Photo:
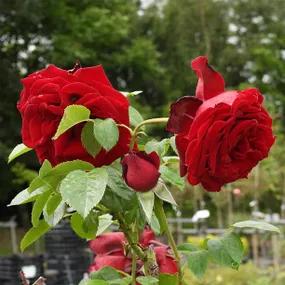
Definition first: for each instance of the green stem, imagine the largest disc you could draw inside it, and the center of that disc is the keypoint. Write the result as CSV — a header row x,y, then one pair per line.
x,y
146,122
164,225
134,268
125,228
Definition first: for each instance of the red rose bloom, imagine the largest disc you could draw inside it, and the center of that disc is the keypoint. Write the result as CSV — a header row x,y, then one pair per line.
x,y
42,102
141,170
109,250
220,135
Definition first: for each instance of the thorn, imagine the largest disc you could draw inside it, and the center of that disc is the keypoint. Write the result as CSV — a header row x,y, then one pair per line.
x,y
76,66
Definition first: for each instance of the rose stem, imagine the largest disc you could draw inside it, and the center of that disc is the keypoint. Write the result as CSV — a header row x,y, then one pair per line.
x,y
134,267
146,122
164,225
125,228
134,257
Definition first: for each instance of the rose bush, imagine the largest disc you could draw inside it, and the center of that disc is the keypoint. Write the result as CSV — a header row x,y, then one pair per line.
x,y
220,135
42,102
111,176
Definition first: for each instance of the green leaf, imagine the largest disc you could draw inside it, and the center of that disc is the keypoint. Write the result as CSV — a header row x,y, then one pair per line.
x,y
39,206
173,145
147,202
106,133
198,262
132,93
54,218
263,226
45,168
154,224
147,280
89,141
234,246
17,151
161,147
172,177
226,251
54,176
121,281
171,159
106,273
118,185
135,116
168,279
157,210
53,202
91,222
83,191
34,234
163,193
25,196
105,221
218,253
73,115
93,282
81,228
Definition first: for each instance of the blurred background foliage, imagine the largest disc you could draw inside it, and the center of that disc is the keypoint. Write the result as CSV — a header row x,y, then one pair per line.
x,y
149,47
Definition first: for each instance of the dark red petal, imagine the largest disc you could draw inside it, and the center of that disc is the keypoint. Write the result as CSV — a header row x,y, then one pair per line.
x,y
225,98
108,243
146,236
119,262
165,261
181,145
93,73
182,113
212,184
151,157
52,71
210,82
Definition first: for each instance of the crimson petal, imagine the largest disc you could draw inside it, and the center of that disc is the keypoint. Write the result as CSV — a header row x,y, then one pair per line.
x,y
182,113
210,82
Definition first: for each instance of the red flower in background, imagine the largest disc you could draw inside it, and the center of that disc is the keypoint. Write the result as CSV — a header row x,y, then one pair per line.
x,y
109,251
42,102
220,135
141,170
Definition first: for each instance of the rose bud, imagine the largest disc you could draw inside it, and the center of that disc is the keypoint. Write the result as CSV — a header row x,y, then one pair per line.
x,y
141,170
48,92
220,135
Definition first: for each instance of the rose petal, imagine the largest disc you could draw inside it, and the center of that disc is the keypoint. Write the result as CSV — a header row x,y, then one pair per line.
x,y
108,243
165,261
210,82
118,262
182,113
93,73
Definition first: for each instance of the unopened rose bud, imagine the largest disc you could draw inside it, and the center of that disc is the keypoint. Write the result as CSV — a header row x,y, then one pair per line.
x,y
140,170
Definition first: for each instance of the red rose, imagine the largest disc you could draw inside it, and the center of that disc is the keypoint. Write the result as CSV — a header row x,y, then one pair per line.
x,y
109,250
141,170
42,102
220,135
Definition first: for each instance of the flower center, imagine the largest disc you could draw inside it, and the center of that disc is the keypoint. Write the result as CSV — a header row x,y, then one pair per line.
x,y
74,97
